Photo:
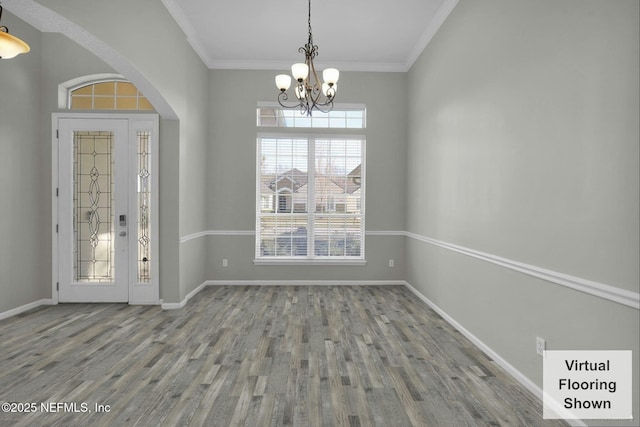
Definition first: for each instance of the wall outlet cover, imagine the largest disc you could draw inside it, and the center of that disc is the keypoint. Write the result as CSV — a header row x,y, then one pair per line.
x,y
541,346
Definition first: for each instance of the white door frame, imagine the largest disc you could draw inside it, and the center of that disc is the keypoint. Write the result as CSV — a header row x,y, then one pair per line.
x,y
139,293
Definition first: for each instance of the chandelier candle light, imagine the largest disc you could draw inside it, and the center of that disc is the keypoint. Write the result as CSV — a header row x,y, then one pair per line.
x,y
10,46
309,91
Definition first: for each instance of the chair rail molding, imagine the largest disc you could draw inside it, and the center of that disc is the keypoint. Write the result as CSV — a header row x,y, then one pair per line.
x,y
611,293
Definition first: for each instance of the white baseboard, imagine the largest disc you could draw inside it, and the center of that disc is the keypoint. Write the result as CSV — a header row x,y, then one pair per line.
x,y
26,307
177,305
511,370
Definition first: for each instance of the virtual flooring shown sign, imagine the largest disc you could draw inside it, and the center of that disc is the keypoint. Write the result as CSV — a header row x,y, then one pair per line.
x,y
589,384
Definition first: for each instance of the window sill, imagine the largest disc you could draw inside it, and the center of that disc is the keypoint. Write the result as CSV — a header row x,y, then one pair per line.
x,y
310,262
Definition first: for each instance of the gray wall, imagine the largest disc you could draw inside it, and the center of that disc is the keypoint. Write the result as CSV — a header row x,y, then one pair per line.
x,y
180,79
232,174
30,82
24,200
523,143
193,176
178,84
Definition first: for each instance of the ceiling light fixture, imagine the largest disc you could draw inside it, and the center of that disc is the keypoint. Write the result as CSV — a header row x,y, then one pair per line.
x,y
309,90
10,46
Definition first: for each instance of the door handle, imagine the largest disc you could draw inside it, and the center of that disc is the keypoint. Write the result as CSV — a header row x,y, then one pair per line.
x,y
123,233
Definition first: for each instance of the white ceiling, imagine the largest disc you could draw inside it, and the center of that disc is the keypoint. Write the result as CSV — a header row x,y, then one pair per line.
x,y
352,35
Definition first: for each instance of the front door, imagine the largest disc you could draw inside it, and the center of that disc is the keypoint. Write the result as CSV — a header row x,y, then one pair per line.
x,y
105,212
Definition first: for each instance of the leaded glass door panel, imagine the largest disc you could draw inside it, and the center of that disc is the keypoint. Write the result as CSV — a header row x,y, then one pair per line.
x,y
106,207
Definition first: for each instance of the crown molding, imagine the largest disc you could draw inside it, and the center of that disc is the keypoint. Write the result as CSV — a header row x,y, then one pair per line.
x,y
432,28
192,36
236,64
47,21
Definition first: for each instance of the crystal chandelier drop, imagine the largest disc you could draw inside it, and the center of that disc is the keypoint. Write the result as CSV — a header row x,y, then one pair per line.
x,y
309,91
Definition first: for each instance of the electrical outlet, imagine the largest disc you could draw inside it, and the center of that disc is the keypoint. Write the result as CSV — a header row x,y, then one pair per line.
x,y
541,346
225,262
392,263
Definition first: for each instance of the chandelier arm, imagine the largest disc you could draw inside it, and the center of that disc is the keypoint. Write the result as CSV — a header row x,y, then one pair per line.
x,y
283,97
326,103
305,109
322,109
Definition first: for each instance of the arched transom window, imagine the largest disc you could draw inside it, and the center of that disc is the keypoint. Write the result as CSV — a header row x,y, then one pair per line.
x,y
108,95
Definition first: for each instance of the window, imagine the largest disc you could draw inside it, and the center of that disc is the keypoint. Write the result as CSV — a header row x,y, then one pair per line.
x,y
108,95
310,196
340,118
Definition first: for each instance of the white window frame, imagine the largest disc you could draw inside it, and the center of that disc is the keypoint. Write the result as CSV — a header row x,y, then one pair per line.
x,y
312,133
310,258
337,107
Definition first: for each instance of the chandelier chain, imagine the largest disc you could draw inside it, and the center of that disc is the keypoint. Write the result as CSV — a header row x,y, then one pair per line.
x,y
4,29
310,33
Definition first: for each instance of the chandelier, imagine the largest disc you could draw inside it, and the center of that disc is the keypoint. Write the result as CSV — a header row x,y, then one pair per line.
x,y
10,46
309,91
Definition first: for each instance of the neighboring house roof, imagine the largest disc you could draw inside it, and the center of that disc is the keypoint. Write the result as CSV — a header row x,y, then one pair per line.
x,y
294,179
328,185
354,180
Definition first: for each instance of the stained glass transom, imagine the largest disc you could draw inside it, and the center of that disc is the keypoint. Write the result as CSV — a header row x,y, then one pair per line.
x,y
108,95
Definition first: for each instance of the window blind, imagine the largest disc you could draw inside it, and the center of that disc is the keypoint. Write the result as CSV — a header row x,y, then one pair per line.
x,y
310,197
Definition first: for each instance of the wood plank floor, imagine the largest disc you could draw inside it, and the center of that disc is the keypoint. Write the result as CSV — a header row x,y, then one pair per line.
x,y
257,356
